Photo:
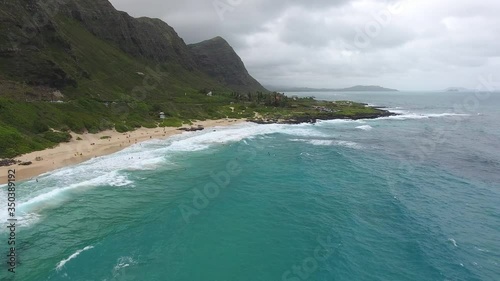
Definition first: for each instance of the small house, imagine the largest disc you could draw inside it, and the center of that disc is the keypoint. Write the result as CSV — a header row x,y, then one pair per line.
x,y
162,115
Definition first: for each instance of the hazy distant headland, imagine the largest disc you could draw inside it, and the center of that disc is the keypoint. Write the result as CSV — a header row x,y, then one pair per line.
x,y
358,88
456,89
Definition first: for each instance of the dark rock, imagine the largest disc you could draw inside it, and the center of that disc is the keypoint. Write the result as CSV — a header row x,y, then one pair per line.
x,y
7,162
192,129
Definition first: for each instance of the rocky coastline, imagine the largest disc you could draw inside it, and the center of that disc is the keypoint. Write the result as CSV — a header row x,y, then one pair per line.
x,y
315,118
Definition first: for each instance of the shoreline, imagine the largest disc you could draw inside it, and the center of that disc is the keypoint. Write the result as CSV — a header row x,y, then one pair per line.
x,y
94,145
315,119
110,141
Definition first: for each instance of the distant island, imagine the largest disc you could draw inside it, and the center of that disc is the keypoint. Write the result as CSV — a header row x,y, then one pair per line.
x,y
367,89
456,89
358,88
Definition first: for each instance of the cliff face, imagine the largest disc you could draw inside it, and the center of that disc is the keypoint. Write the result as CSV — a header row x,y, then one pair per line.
x,y
59,43
217,58
147,38
25,31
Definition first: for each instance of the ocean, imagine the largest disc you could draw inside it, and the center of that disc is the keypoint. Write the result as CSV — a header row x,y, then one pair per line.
x,y
408,197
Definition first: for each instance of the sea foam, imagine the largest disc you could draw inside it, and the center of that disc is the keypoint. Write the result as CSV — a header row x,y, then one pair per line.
x,y
365,128
74,255
405,115
326,142
57,187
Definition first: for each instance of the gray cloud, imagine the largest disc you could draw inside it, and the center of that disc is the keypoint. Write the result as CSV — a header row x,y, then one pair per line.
x,y
423,44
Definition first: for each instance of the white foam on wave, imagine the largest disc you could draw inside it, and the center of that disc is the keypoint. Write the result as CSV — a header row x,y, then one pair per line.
x,y
320,142
365,127
3,202
335,121
55,188
123,262
404,115
481,250
339,121
398,110
453,241
24,219
74,255
223,135
28,210
325,142
349,144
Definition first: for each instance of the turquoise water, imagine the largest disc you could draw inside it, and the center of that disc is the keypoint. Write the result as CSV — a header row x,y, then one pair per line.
x,y
413,197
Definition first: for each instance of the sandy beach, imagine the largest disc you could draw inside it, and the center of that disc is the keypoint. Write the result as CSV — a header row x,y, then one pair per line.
x,y
93,145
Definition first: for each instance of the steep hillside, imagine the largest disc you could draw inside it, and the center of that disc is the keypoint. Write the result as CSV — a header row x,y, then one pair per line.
x,y
217,58
104,67
64,44
147,38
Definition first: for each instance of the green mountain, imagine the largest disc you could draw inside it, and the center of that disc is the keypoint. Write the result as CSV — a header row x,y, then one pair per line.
x,y
67,45
216,58
106,69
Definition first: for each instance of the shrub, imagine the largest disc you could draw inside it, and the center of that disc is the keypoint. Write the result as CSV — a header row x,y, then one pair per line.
x,y
171,122
121,128
40,127
150,125
57,137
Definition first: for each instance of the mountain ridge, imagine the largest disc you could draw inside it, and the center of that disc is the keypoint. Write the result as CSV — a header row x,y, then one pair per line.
x,y
213,53
49,55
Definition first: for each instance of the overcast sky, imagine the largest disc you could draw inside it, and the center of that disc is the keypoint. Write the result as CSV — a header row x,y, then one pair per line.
x,y
408,45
